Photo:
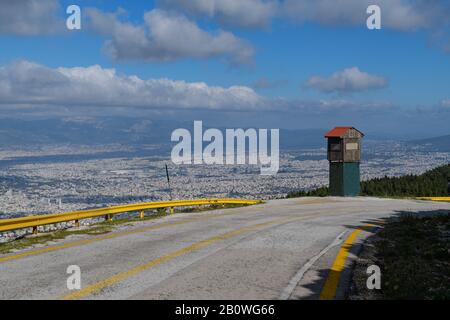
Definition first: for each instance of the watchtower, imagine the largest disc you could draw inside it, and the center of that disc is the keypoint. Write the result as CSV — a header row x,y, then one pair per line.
x,y
344,155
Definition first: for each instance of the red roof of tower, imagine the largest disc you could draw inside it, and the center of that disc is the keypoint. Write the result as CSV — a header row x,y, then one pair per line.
x,y
338,132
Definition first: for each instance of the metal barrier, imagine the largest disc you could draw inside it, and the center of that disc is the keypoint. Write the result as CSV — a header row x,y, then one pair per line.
x,y
108,212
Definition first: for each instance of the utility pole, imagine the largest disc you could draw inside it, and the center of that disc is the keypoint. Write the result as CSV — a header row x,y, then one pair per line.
x,y
168,183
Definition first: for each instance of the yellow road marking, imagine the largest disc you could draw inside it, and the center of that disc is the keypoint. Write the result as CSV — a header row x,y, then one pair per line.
x,y
125,233
96,287
110,236
332,282
435,198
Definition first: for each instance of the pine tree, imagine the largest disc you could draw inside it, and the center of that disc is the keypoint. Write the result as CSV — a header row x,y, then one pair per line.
x,y
433,183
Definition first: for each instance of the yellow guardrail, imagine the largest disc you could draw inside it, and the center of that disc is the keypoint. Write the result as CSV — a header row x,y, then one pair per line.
x,y
434,198
108,212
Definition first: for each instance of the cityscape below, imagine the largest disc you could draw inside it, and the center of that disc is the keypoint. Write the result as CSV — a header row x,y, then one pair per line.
x,y
61,178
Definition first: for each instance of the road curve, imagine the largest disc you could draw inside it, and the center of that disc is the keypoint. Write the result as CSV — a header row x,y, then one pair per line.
x,y
282,249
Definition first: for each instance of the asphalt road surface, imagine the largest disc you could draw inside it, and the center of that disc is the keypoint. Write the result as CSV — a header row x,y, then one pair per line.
x,y
283,249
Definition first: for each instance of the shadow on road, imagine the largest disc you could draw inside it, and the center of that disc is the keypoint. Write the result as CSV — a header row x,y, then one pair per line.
x,y
354,286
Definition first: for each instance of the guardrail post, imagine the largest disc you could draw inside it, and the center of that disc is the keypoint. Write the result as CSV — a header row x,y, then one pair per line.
x,y
77,223
35,230
142,214
172,210
108,217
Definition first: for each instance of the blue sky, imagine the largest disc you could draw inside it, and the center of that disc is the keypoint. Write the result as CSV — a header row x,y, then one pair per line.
x,y
288,64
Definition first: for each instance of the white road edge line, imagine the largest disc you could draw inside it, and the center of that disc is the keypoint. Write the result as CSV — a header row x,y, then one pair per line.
x,y
287,292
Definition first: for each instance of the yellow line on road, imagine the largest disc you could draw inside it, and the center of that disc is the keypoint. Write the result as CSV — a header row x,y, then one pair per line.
x,y
110,236
96,287
447,199
125,233
332,282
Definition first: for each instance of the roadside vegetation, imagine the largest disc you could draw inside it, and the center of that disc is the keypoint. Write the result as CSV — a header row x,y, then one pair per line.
x,y
413,252
433,183
28,241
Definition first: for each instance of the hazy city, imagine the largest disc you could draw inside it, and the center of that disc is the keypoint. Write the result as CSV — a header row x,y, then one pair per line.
x,y
51,181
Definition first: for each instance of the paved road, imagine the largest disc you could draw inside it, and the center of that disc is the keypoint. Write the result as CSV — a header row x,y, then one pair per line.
x,y
280,249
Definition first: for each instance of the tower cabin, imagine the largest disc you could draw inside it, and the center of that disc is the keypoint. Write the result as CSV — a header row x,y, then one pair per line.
x,y
344,144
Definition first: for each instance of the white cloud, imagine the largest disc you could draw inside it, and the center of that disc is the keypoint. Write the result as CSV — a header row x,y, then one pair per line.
x,y
332,106
30,17
347,80
354,106
28,83
234,13
402,15
29,86
166,37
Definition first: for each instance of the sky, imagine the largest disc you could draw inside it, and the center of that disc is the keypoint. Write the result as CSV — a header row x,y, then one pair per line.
x,y
294,64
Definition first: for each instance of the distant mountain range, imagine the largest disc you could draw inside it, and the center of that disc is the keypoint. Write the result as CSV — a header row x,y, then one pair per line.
x,y
16,132
441,143
135,131
91,132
